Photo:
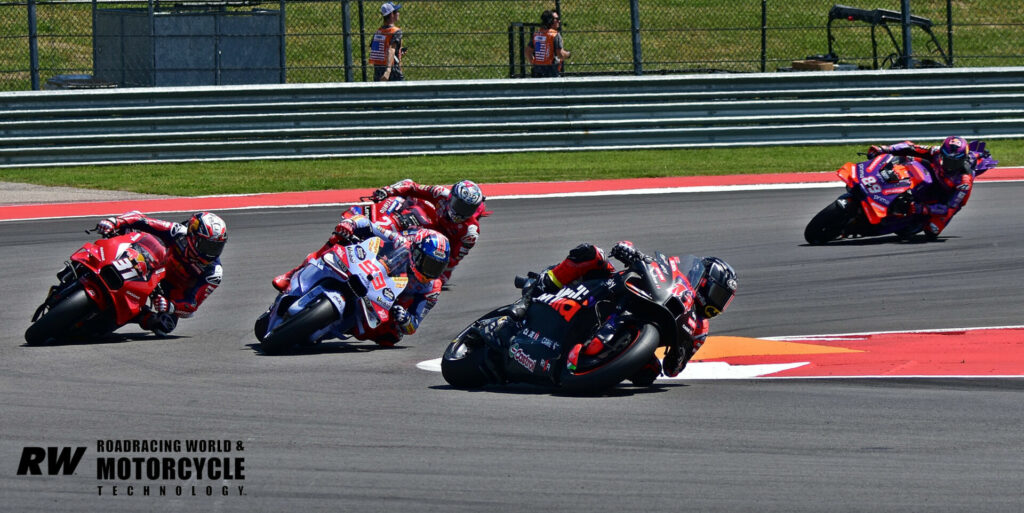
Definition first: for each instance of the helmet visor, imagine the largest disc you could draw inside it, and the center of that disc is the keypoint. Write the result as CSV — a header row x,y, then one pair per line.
x,y
460,210
427,266
718,299
209,249
953,164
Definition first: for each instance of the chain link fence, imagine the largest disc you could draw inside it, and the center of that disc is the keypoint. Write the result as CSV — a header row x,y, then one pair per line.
x,y
326,40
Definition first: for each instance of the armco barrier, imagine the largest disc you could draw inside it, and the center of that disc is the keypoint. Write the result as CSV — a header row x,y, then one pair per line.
x,y
110,126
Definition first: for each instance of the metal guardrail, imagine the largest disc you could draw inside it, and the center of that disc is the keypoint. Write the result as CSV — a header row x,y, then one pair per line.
x,y
118,126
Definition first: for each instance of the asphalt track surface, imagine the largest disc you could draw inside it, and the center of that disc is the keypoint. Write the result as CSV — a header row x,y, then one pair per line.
x,y
354,428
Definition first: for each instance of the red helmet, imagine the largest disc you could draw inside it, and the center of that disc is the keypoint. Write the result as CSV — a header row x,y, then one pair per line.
x,y
207,233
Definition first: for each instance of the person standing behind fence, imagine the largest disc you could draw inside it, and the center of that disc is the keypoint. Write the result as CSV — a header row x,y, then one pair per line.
x,y
545,50
386,47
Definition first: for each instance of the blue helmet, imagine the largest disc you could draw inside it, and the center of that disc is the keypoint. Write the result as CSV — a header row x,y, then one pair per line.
x,y
429,255
465,199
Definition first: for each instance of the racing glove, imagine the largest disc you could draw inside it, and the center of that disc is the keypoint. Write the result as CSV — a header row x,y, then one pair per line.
x,y
382,194
402,319
625,252
343,233
875,151
107,227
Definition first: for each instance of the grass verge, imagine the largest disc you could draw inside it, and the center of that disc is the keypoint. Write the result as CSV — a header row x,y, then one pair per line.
x,y
198,179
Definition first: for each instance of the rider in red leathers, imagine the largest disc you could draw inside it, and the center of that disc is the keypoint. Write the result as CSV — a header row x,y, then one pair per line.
x,y
456,213
193,267
952,164
406,205
713,291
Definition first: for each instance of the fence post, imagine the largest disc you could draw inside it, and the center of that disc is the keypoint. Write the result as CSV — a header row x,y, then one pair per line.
x,y
346,27
908,59
949,29
764,36
33,45
282,57
634,20
362,40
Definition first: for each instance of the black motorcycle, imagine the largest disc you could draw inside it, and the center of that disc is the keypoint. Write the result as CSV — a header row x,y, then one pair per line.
x,y
542,339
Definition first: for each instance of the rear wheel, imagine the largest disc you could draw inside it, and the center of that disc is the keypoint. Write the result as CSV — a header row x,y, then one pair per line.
x,y
827,224
599,374
59,321
298,328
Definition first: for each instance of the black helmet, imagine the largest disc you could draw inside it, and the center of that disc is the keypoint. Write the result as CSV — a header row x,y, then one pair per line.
x,y
714,282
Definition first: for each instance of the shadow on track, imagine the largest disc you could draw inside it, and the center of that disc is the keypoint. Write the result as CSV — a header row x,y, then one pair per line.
x,y
338,347
527,389
112,338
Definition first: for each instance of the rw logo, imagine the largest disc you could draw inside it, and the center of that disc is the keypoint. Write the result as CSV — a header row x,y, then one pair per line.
x,y
59,460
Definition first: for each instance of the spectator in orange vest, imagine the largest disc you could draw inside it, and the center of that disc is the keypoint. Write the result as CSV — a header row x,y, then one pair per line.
x,y
545,50
386,47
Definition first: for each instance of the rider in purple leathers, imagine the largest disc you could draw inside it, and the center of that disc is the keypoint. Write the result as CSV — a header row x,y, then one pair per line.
x,y
421,256
952,164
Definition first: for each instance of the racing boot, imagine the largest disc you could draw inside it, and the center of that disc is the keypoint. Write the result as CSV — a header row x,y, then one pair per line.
x,y
160,324
283,281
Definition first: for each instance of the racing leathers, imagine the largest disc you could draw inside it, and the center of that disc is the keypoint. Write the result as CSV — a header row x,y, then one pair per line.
x,y
950,192
587,261
415,301
432,198
186,285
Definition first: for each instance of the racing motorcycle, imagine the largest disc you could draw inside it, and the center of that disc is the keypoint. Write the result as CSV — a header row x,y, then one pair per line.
x,y
395,213
330,296
104,286
636,311
878,194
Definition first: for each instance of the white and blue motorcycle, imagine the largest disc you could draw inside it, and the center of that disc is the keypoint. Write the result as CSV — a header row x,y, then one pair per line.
x,y
347,288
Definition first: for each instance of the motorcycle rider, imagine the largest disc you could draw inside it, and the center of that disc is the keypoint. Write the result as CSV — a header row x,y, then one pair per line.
x,y
952,165
193,267
713,291
454,212
457,212
422,257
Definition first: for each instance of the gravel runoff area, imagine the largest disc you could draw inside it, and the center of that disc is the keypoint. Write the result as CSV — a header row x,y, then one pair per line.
x,y
25,194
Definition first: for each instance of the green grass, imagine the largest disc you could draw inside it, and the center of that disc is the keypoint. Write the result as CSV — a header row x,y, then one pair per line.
x,y
198,179
467,40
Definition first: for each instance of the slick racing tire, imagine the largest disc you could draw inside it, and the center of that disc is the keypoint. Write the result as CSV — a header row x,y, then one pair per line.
x,y
298,328
826,225
57,322
462,364
602,375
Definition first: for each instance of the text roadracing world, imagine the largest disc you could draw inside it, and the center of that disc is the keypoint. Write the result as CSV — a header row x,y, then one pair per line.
x,y
149,467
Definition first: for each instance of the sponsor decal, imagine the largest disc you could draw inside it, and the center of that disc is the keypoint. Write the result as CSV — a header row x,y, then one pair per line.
x,y
388,294
150,468
360,253
522,358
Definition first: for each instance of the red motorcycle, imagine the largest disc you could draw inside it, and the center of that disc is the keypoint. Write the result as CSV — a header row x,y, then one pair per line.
x,y
396,213
104,286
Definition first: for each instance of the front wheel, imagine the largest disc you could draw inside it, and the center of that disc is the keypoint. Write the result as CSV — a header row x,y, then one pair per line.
x,y
827,224
597,376
59,321
298,328
463,362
